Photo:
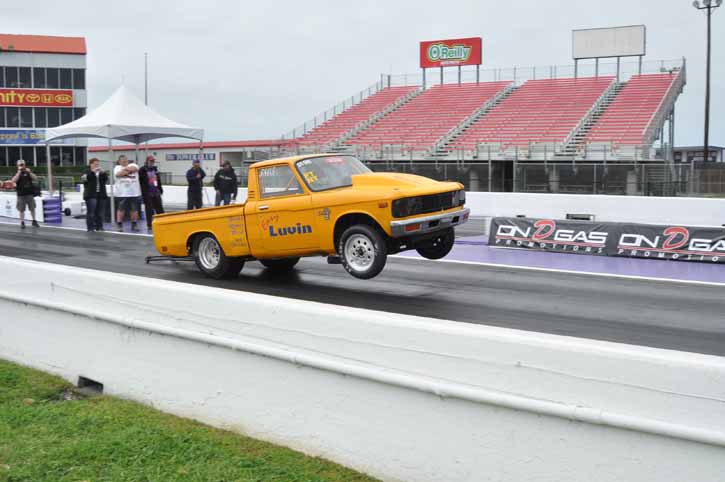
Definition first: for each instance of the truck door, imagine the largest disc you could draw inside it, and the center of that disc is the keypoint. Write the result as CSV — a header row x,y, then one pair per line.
x,y
284,214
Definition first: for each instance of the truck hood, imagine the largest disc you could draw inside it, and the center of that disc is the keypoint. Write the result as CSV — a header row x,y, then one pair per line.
x,y
404,183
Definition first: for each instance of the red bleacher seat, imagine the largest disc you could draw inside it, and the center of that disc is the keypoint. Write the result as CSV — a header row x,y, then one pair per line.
x,y
626,120
546,110
422,121
338,125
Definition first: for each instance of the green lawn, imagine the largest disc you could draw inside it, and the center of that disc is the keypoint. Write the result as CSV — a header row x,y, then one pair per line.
x,y
50,433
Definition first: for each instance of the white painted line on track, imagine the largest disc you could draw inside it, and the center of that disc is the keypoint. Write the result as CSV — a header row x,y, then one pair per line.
x,y
45,226
568,271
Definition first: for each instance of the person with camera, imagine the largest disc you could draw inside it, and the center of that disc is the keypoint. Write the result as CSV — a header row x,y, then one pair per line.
x,y
26,187
94,194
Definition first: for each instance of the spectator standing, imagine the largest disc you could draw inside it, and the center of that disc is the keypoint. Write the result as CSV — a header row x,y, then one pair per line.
x,y
127,191
26,188
94,194
195,177
225,185
151,189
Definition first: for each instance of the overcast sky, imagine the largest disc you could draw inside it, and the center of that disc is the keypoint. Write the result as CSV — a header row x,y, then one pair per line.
x,y
250,70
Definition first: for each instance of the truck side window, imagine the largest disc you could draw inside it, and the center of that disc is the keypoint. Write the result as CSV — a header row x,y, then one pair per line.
x,y
276,181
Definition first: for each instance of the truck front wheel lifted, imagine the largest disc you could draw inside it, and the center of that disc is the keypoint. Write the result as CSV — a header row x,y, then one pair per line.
x,y
439,246
211,260
363,251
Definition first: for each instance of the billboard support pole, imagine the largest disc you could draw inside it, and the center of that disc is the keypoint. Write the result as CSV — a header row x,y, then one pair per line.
x,y
423,69
596,67
640,65
441,75
618,68
459,75
478,73
576,68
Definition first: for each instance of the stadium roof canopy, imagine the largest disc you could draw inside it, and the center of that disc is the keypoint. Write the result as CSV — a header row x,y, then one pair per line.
x,y
123,117
42,44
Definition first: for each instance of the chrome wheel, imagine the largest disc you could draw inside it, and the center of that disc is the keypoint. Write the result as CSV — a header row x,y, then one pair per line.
x,y
359,252
209,253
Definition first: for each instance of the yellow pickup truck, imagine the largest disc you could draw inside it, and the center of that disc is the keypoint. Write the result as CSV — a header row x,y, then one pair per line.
x,y
323,204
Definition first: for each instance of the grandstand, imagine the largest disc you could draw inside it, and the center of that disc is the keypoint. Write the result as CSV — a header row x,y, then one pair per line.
x,y
595,117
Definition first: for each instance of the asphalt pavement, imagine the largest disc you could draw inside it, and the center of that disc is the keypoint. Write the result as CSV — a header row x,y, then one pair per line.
x,y
671,315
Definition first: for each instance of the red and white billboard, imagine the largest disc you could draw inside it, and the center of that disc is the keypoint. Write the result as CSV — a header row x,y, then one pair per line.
x,y
451,53
36,97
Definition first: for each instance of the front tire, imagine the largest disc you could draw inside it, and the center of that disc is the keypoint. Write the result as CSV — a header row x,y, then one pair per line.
x,y
211,260
439,246
281,265
363,251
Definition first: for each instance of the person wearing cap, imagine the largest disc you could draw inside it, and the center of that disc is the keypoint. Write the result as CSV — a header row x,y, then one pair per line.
x,y
151,189
195,177
25,188
225,185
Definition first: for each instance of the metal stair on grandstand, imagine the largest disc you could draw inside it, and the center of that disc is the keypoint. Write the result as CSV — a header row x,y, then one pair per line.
x,y
442,150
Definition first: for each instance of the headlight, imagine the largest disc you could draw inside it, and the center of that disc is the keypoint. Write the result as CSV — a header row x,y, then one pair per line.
x,y
462,197
406,207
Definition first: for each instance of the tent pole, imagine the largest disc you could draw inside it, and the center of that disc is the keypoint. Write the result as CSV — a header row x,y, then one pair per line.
x,y
113,182
50,169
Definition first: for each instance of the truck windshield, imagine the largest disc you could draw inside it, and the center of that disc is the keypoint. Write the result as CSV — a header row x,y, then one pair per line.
x,y
330,172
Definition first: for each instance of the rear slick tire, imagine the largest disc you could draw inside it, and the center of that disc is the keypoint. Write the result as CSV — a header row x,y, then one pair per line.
x,y
211,260
363,251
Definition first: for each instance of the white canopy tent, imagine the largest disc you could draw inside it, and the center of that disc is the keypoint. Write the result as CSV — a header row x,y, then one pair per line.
x,y
122,117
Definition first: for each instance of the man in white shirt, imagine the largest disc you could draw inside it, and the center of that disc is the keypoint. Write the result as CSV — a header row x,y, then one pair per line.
x,y
127,191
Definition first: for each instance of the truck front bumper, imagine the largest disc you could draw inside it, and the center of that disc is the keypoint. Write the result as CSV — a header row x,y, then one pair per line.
x,y
428,224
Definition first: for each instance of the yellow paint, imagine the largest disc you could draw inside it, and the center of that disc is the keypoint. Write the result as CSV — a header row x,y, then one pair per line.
x,y
298,224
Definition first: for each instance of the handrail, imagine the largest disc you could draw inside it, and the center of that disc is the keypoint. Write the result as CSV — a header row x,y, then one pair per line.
x,y
657,117
590,113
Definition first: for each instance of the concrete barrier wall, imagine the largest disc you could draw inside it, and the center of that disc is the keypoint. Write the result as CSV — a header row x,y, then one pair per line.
x,y
399,397
634,209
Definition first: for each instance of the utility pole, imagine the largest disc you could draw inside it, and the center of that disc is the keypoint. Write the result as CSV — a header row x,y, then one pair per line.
x,y
707,5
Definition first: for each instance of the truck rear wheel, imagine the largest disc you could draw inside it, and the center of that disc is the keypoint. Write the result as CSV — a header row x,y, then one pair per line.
x,y
211,260
439,246
281,265
363,251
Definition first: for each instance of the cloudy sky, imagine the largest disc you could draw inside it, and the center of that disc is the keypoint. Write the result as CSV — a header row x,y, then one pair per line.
x,y
246,70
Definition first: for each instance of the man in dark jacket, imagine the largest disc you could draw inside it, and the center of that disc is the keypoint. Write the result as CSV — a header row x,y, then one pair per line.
x,y
195,177
225,185
151,189
25,189
94,194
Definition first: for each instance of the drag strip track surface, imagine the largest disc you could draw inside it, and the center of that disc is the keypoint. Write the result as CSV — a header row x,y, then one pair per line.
x,y
661,314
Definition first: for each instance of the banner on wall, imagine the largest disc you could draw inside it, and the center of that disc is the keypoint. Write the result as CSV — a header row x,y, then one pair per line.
x,y
191,157
36,97
21,136
451,53
679,243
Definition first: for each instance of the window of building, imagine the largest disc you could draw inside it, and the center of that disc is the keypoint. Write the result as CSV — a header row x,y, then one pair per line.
x,y
12,117
11,76
55,155
40,117
39,77
79,79
66,115
24,77
66,156
28,154
53,117
51,78
80,156
13,155
2,76
66,79
2,117
40,159
3,156
26,117
79,112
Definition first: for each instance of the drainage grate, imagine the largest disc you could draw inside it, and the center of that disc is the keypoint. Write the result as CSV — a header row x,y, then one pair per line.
x,y
89,386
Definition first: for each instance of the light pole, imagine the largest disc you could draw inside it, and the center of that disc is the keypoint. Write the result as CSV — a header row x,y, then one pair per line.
x,y
708,5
